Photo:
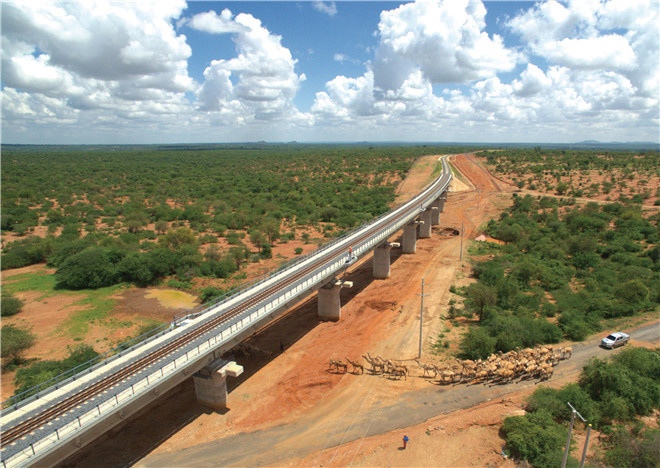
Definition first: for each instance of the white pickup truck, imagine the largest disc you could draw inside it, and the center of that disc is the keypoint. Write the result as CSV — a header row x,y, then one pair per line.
x,y
615,340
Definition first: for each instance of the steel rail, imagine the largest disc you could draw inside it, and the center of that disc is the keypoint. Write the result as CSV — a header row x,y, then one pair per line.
x,y
26,427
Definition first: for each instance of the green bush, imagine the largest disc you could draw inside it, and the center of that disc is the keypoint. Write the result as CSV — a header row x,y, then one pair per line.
x,y
134,268
477,344
210,292
611,382
10,305
25,252
15,341
92,268
42,371
626,449
535,437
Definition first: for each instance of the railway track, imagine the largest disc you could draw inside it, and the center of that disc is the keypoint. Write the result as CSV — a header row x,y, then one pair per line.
x,y
29,425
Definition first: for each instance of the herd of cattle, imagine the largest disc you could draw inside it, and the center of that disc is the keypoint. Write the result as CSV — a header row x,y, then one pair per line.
x,y
499,368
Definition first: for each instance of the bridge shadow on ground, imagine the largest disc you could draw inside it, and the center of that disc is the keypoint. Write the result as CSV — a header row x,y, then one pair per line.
x,y
159,421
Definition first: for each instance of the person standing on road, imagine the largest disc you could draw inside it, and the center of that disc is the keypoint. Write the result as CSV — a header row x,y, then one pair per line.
x,y
405,441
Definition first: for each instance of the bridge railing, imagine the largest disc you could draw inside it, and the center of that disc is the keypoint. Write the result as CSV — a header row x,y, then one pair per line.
x,y
60,380
209,340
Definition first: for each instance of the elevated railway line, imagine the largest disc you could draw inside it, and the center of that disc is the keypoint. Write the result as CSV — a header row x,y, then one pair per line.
x,y
37,428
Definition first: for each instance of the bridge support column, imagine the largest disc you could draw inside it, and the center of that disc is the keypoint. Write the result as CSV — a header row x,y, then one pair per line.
x,y
328,300
409,240
381,261
435,214
211,383
426,218
441,202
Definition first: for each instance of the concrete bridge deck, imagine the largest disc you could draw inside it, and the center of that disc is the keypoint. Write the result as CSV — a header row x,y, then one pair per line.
x,y
58,421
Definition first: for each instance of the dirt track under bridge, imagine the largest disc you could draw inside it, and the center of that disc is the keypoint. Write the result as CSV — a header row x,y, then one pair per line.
x,y
288,409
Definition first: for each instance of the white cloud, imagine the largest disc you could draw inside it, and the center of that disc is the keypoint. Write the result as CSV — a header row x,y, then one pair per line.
x,y
445,40
615,35
122,69
259,83
532,81
345,98
101,40
600,84
114,61
596,53
329,8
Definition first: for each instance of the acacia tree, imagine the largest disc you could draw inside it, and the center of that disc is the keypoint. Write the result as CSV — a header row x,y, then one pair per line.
x,y
239,254
161,226
15,341
481,296
272,230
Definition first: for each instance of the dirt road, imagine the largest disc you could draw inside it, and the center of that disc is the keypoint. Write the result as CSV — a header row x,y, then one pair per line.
x,y
365,416
287,409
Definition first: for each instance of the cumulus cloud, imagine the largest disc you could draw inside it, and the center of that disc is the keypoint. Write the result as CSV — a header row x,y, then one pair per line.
x,y
532,81
602,77
117,61
329,8
445,40
420,44
616,35
435,74
100,40
259,83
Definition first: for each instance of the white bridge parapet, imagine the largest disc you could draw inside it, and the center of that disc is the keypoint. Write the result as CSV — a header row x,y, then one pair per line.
x,y
52,443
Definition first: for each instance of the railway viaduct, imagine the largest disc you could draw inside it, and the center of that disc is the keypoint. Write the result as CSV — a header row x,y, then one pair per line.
x,y
50,422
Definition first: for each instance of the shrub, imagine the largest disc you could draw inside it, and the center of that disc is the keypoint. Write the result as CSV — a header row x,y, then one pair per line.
x,y
10,305
92,268
15,341
535,437
626,449
210,292
477,344
40,372
266,251
134,268
26,252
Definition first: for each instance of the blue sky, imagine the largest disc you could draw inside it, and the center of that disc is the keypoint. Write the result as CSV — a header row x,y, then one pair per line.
x,y
312,36
463,70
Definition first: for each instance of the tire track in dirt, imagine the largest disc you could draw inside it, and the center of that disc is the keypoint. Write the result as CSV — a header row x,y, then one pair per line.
x,y
293,413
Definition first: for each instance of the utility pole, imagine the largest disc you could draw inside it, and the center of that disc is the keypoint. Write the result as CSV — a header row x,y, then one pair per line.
x,y
586,443
421,318
570,430
460,259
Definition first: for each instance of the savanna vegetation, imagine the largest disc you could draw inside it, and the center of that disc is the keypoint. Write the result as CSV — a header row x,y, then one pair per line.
x,y
167,215
10,305
15,341
590,174
561,270
115,215
609,395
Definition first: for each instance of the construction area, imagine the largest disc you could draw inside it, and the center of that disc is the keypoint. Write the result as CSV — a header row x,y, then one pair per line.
x,y
324,393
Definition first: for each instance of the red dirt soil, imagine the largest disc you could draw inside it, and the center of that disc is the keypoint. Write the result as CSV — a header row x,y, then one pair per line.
x,y
382,319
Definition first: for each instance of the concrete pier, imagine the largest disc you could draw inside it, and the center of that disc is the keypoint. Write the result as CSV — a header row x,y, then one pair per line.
x,y
211,383
435,214
426,219
329,304
381,261
409,241
441,204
